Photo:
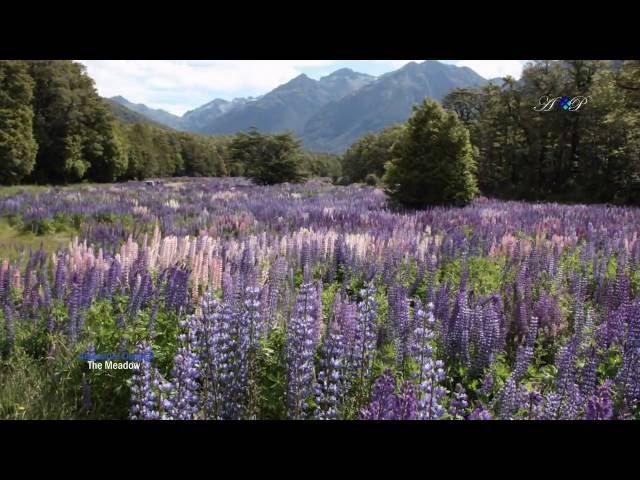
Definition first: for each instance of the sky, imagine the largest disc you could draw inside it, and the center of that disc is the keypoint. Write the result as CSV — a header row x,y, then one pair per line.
x,y
181,85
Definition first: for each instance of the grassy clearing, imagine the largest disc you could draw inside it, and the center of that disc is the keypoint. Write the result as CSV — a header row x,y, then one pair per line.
x,y
13,241
17,189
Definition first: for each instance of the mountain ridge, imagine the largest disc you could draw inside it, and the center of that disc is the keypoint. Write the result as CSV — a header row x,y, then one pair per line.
x,y
328,114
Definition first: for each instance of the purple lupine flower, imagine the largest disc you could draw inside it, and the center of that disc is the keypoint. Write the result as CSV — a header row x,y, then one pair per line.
x,y
441,304
458,403
480,413
73,306
600,405
589,374
216,324
145,387
385,404
228,357
533,402
430,372
183,400
4,282
47,300
629,374
177,293
490,338
400,323
331,374
113,279
277,274
249,334
508,399
570,400
382,405
487,384
406,402
365,334
300,351
60,278
89,285
26,291
524,354
548,312
458,330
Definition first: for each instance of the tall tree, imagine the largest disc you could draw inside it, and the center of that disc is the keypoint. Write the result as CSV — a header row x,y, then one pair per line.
x,y
434,163
73,127
370,154
268,159
18,147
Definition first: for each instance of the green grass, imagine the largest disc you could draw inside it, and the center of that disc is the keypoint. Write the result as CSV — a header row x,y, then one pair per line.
x,y
17,189
13,241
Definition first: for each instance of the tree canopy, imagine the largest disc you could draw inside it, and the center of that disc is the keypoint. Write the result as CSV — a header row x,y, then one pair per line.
x,y
433,164
18,147
267,159
591,154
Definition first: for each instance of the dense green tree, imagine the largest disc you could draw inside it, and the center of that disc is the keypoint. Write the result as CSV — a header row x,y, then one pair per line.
x,y
586,155
434,163
370,154
466,102
321,165
202,156
17,145
75,131
267,159
159,152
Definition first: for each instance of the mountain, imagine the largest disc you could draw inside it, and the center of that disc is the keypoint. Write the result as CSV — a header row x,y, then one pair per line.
x,y
157,115
125,115
199,119
382,103
343,82
328,114
289,106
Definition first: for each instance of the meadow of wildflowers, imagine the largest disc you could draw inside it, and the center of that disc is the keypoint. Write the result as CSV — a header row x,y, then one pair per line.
x,y
315,301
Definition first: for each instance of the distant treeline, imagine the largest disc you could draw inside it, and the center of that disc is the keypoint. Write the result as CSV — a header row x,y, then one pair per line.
x,y
591,154
55,128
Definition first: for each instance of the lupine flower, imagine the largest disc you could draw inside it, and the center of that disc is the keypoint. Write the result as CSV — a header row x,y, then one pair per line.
x,y
300,351
480,413
365,335
386,404
430,371
145,388
600,405
458,403
260,237
330,382
183,400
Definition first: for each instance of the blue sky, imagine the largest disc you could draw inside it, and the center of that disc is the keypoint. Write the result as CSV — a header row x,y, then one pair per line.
x,y
181,85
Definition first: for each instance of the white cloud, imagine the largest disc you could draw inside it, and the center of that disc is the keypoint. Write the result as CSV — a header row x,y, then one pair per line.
x,y
178,83
181,85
